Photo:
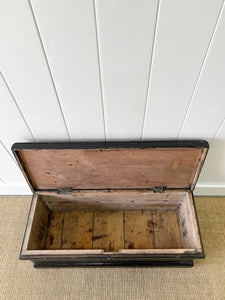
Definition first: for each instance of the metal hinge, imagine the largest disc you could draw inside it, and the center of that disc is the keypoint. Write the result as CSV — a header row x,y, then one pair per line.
x,y
159,189
65,191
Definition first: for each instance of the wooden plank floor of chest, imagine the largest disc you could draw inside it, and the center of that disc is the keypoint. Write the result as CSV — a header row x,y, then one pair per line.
x,y
104,204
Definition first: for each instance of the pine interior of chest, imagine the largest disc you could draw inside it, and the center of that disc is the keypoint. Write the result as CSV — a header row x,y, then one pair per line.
x,y
114,222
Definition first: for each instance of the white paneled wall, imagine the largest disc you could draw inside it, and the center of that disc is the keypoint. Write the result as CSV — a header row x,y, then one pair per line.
x,y
12,123
112,70
207,106
183,35
68,34
26,72
9,171
125,37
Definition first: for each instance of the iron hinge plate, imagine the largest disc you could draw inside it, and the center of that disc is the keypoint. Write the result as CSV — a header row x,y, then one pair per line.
x,y
159,189
65,191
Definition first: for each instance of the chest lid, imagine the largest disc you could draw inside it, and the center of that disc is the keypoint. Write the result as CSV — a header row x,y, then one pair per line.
x,y
113,165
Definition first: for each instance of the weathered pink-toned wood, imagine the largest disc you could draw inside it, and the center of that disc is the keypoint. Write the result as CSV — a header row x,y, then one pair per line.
x,y
110,168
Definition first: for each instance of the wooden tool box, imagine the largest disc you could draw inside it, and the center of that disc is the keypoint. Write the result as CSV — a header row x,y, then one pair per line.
x,y
128,203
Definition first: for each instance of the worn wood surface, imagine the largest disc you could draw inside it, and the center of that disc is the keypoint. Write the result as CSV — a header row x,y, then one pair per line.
x,y
30,222
188,223
159,251
123,231
166,230
77,230
39,226
138,229
108,230
60,253
110,168
113,200
112,211
199,167
54,235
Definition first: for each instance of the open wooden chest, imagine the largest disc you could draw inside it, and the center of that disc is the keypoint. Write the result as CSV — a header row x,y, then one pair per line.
x,y
128,203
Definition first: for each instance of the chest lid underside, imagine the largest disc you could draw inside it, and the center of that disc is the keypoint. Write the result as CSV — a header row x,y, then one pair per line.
x,y
113,165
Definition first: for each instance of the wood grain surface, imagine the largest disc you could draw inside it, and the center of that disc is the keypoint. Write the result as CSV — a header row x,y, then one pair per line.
x,y
110,168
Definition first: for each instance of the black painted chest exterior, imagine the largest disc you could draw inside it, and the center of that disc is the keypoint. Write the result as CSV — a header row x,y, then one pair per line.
x,y
112,204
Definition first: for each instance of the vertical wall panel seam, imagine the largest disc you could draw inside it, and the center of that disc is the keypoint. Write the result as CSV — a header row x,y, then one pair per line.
x,y
49,69
150,67
15,162
217,131
99,67
17,105
201,69
1,180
